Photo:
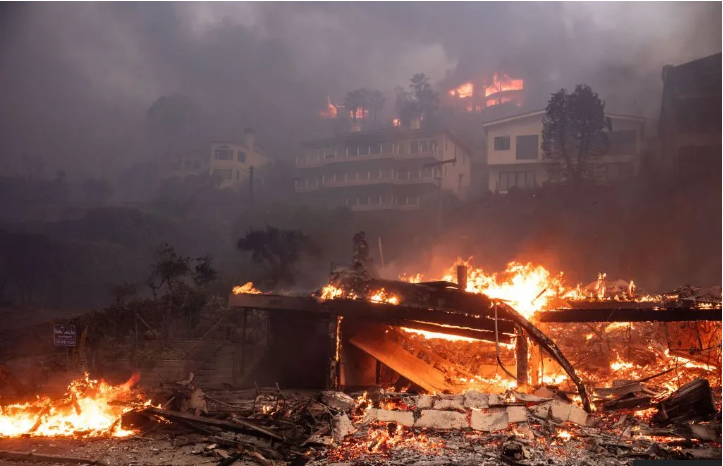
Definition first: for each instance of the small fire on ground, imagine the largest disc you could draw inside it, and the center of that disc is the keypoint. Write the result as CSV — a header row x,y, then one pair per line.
x,y
89,408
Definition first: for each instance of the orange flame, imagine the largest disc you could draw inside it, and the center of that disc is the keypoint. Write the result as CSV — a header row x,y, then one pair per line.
x,y
248,288
330,111
501,83
463,91
84,411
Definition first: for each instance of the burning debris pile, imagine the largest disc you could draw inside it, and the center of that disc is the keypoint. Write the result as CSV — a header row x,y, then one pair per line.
x,y
514,368
90,408
273,426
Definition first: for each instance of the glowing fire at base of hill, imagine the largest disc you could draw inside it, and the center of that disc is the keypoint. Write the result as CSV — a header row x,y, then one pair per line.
x,y
84,411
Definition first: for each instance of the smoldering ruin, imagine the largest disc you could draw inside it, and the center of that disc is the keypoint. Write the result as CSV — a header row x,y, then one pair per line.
x,y
328,234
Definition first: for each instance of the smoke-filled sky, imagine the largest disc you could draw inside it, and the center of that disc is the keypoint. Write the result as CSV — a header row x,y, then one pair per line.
x,y
78,78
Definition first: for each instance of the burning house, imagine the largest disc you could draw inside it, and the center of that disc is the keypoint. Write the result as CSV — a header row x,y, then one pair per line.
x,y
476,95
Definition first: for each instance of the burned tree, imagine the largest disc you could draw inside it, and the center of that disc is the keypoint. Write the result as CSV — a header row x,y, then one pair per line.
x,y
573,135
281,249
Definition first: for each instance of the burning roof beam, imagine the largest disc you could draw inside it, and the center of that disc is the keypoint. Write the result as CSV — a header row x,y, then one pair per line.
x,y
379,312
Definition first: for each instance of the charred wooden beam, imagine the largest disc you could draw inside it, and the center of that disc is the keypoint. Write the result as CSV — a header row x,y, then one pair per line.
x,y
382,313
482,335
274,302
620,314
333,379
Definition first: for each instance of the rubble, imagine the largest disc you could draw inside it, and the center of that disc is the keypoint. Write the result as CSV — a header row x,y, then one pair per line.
x,y
516,414
453,402
341,426
444,420
403,418
475,399
490,421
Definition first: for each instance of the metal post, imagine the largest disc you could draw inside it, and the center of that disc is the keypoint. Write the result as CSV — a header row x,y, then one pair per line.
x,y
462,277
521,349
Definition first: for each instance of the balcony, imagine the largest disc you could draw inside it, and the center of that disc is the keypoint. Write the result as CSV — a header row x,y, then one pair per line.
x,y
318,161
373,207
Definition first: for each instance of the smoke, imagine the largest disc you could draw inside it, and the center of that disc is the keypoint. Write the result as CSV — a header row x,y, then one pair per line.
x,y
76,75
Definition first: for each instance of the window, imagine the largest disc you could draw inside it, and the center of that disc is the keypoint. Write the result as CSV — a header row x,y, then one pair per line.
x,y
502,143
623,142
238,175
223,153
517,179
363,150
423,146
527,148
375,149
241,156
223,173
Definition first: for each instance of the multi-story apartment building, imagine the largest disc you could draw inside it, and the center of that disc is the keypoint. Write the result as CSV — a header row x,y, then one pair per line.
x,y
230,161
391,168
515,158
690,117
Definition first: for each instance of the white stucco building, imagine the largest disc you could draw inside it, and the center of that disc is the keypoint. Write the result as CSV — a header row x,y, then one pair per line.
x,y
515,158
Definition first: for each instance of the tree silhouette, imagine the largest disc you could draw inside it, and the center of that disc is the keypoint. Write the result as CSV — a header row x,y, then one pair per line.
x,y
375,100
173,124
573,135
420,101
281,249
354,101
427,99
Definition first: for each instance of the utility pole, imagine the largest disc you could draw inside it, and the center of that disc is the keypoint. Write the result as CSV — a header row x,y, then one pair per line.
x,y
251,184
439,192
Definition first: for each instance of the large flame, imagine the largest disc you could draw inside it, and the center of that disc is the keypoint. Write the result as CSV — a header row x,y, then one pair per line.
x,y
84,411
501,83
330,111
247,288
526,287
463,91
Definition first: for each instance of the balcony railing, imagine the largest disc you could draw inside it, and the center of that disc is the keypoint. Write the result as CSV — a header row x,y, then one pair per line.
x,y
317,161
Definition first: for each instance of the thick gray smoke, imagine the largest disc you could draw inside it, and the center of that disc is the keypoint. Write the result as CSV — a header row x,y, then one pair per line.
x,y
78,78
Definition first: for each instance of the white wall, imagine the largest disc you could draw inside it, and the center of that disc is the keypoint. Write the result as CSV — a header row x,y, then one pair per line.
x,y
500,161
450,172
253,158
